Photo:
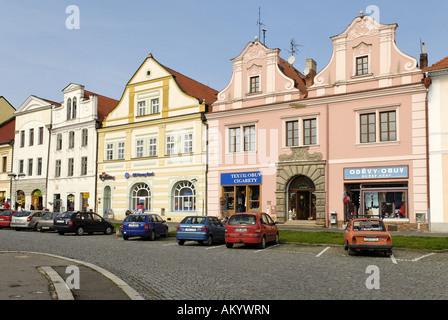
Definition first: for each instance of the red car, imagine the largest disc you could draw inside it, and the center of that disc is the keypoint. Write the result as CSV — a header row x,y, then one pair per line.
x,y
251,227
5,218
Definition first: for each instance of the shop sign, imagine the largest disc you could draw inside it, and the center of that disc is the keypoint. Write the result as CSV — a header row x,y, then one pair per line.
x,y
376,172
128,175
230,179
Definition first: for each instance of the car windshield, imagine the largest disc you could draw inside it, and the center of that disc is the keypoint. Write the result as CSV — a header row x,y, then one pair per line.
x,y
22,214
49,216
241,219
368,225
135,218
194,220
7,213
65,215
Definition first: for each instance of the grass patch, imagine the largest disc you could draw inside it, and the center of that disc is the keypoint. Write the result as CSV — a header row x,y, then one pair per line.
x,y
336,238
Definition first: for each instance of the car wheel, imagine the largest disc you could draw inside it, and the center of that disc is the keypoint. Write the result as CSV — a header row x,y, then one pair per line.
x,y
79,231
61,233
276,238
387,253
351,252
165,234
125,237
262,243
108,230
152,236
181,242
229,245
209,241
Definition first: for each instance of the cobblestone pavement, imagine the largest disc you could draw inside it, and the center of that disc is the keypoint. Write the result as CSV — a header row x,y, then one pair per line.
x,y
163,270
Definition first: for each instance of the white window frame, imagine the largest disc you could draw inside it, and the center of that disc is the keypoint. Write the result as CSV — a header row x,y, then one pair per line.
x,y
300,130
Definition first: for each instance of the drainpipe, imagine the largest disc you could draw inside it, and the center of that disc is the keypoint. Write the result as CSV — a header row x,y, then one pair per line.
x,y
427,82
327,170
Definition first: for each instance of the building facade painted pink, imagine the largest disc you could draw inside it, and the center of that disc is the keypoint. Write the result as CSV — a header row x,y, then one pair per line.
x,y
351,141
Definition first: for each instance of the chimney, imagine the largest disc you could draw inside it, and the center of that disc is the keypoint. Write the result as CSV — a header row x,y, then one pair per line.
x,y
423,58
310,72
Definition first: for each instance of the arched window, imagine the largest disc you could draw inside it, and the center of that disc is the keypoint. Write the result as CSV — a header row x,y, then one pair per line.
x,y
184,196
140,193
69,109
74,108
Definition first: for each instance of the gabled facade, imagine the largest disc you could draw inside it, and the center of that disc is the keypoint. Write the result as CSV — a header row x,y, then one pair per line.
x,y
437,83
31,148
152,147
73,149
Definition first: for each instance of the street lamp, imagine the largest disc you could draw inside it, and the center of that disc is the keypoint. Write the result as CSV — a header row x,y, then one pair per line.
x,y
15,177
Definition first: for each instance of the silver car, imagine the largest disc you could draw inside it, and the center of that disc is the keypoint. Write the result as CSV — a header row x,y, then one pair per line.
x,y
46,223
26,219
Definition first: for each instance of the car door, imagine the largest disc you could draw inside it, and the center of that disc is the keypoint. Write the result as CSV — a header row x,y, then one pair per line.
x,y
218,229
96,222
267,227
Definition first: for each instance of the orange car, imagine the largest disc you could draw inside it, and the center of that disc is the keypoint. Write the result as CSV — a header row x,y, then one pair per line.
x,y
367,234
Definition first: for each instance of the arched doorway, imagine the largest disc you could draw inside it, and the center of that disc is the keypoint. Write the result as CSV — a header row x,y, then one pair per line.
x,y
140,193
302,199
71,202
36,200
20,199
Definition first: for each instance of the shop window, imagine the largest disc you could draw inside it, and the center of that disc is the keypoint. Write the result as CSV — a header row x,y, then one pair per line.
x,y
184,196
141,194
241,198
385,204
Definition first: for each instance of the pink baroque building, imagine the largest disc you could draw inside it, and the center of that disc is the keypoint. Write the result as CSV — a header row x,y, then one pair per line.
x,y
350,140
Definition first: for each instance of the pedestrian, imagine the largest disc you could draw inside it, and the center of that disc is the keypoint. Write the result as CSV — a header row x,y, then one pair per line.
x,y
140,208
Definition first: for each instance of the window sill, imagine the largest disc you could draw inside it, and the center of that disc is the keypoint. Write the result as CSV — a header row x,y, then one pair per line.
x,y
377,144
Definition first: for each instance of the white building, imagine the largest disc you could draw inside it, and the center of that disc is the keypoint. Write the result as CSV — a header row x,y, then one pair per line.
x,y
33,121
73,149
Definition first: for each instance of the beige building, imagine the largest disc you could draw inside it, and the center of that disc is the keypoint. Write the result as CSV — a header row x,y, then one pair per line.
x,y
152,146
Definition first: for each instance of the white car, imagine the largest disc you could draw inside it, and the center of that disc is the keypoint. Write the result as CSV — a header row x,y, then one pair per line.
x,y
26,219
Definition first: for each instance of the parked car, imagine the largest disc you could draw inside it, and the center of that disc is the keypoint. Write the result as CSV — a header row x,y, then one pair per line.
x,y
251,227
200,228
47,221
5,218
144,225
367,234
81,222
26,219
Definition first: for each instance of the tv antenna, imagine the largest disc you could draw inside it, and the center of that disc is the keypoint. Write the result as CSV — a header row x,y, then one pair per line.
x,y
293,51
259,23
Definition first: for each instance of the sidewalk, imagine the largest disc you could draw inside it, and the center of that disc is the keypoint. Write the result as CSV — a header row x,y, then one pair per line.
x,y
36,276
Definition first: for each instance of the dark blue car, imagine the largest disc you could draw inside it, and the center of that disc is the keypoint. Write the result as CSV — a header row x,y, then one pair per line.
x,y
201,229
144,225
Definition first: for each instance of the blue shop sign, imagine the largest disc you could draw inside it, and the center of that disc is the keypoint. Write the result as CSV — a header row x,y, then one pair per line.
x,y
230,179
376,172
128,175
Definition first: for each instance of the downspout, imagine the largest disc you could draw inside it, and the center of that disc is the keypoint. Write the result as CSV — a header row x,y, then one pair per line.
x,y
204,122
427,82
48,156
327,170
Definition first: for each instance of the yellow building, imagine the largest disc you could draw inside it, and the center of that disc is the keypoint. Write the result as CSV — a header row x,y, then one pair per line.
x,y
152,146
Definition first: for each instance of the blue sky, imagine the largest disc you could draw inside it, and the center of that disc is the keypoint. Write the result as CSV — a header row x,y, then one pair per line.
x,y
40,56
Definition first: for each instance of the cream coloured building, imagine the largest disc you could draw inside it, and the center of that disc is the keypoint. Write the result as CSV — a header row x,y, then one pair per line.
x,y
152,146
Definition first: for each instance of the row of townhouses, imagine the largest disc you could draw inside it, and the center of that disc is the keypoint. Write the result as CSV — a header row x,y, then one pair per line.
x,y
364,136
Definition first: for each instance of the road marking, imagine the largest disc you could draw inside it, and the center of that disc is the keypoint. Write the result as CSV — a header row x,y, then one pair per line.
x,y
320,253
169,244
419,258
213,247
275,245
393,259
62,290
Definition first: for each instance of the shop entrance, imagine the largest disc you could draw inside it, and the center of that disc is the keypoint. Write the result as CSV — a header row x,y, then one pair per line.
x,y
302,199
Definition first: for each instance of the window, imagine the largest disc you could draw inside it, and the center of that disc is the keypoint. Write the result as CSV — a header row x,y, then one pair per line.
x,y
254,84
84,137
74,108
83,166
109,151
141,111
292,133
154,106
5,164
140,193
21,168
188,143
139,148
234,139
22,138
249,138
31,142
184,196
41,135
69,109
362,66
57,172
309,132
59,141
368,128
120,154
30,167
169,145
71,163
152,147
39,166
71,139
378,126
388,126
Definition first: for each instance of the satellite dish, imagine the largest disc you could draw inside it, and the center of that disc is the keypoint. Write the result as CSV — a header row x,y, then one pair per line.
x,y
306,71
291,60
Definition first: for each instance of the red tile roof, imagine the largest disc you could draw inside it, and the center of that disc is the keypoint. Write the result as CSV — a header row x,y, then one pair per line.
x,y
442,64
105,104
294,74
194,88
7,129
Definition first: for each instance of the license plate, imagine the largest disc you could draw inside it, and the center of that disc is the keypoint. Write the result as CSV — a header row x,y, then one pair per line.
x,y
190,229
60,221
1,218
133,225
240,229
370,239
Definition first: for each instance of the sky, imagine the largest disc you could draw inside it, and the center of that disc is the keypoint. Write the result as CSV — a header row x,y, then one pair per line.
x,y
44,46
